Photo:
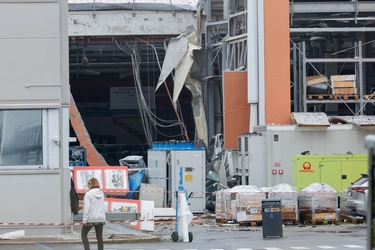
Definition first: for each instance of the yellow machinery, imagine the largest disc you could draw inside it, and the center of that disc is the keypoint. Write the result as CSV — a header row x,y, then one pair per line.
x,y
336,170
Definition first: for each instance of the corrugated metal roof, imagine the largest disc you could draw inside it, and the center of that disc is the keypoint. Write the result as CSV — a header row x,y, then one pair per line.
x,y
87,5
356,120
310,119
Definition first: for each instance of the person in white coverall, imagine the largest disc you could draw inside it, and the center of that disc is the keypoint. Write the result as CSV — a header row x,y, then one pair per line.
x,y
93,214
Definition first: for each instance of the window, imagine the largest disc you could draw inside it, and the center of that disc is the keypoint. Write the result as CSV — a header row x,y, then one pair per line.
x,y
21,138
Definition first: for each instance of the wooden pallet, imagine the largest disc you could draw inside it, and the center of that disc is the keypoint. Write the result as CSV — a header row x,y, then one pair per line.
x,y
289,216
332,97
321,222
306,210
351,220
318,218
346,97
319,97
288,210
228,218
250,223
323,216
221,220
290,222
367,97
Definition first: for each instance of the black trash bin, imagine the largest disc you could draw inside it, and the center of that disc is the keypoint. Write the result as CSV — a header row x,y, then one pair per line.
x,y
272,218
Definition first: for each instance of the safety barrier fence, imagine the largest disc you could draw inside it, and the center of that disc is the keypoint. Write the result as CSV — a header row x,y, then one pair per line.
x,y
68,224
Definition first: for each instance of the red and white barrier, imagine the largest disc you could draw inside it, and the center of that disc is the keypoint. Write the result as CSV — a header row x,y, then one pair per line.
x,y
62,224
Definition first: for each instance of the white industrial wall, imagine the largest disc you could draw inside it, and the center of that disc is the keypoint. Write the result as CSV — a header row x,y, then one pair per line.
x,y
34,75
293,140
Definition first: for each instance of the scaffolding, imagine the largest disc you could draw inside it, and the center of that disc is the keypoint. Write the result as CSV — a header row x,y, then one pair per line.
x,y
226,49
345,27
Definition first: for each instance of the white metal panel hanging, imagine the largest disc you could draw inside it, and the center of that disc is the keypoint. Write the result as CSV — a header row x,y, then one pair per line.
x,y
356,120
310,119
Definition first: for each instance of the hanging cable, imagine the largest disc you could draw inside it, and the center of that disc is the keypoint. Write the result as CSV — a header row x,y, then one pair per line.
x,y
147,109
147,116
140,98
166,87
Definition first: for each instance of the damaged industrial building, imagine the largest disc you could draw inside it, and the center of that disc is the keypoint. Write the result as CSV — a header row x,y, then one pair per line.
x,y
219,93
172,82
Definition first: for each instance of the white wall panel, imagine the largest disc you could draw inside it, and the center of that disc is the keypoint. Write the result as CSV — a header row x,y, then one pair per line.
x,y
54,139
33,74
29,20
30,69
31,198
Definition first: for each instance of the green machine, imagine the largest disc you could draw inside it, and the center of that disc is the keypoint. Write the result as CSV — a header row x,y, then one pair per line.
x,y
336,170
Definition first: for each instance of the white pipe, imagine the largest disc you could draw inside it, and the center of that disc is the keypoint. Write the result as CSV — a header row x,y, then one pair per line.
x,y
261,77
253,117
252,53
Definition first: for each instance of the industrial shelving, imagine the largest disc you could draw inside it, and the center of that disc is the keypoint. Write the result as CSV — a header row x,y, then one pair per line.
x,y
357,59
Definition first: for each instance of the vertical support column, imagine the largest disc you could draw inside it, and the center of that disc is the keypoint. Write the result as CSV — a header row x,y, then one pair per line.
x,y
367,74
209,106
227,8
304,76
295,80
208,86
360,69
370,146
261,66
253,63
66,215
356,73
300,78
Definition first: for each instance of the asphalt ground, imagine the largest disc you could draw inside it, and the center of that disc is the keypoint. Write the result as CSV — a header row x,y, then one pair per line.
x,y
122,233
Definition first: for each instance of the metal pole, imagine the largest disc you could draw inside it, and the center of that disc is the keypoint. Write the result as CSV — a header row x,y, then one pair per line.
x,y
356,72
295,80
304,76
370,146
360,69
299,78
208,87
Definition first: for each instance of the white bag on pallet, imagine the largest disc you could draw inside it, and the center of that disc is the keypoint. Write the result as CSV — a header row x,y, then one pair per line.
x,y
318,196
289,200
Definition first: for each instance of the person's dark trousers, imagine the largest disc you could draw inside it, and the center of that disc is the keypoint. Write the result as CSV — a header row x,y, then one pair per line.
x,y
99,236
